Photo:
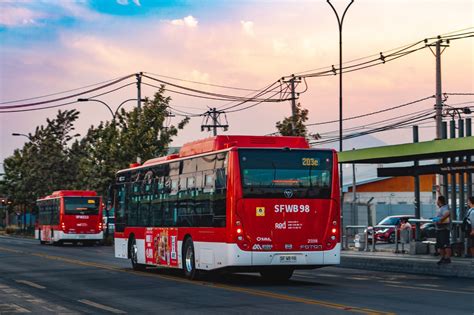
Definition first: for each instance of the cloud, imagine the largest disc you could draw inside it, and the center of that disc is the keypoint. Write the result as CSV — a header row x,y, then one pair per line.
x,y
247,27
189,21
125,2
15,16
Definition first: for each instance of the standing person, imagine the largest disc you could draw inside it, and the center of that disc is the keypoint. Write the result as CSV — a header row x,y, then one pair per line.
x,y
442,220
470,218
405,228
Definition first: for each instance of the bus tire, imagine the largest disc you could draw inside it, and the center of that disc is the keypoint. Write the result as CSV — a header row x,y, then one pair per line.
x,y
133,254
277,274
189,261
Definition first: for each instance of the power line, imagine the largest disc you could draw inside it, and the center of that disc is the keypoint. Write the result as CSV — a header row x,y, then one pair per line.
x,y
57,93
68,96
60,105
373,113
202,83
383,56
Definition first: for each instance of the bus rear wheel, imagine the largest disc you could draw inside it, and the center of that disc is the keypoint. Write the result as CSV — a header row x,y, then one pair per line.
x,y
277,274
41,241
133,254
189,262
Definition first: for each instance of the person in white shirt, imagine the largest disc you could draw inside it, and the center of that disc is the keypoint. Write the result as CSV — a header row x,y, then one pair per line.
x,y
470,217
442,220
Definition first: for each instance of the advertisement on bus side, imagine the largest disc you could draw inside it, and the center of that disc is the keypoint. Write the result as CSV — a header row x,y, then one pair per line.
x,y
161,246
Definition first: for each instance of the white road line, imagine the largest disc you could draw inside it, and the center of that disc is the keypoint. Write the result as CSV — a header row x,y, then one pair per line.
x,y
103,307
31,284
430,289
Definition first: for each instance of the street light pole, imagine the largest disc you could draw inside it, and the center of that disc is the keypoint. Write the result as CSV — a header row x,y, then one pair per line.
x,y
340,22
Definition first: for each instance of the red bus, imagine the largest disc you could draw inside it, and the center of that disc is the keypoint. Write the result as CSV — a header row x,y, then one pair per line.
x,y
235,203
70,216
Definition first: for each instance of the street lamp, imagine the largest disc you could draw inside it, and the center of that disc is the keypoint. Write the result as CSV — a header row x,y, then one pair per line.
x,y
340,21
114,114
99,101
15,134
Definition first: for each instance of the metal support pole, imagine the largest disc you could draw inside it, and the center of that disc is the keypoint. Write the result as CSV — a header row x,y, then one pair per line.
x,y
439,101
417,188
340,22
462,199
396,239
293,105
139,102
445,161
453,175
469,158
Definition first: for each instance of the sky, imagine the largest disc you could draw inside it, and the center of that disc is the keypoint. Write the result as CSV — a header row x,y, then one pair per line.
x,y
50,46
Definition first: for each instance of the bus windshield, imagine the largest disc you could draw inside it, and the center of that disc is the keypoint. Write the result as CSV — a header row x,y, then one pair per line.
x,y
81,205
283,173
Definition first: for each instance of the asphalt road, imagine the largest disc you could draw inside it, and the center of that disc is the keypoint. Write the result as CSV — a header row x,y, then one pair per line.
x,y
44,279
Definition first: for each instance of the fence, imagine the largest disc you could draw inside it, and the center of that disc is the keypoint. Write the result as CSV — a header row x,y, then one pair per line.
x,y
406,236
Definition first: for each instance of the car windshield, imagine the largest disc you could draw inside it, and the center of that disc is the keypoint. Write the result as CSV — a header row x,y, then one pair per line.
x,y
82,205
390,221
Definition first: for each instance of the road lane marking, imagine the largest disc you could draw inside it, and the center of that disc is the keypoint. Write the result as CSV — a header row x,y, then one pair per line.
x,y
254,292
390,282
11,250
12,309
429,285
102,307
31,284
430,289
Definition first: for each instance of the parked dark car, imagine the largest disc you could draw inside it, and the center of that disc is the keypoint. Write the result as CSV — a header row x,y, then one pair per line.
x,y
428,230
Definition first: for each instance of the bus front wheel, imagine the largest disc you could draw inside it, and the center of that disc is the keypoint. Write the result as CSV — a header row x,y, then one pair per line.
x,y
133,253
189,263
277,274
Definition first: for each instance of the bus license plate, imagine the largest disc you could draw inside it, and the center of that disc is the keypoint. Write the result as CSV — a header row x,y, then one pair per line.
x,y
288,259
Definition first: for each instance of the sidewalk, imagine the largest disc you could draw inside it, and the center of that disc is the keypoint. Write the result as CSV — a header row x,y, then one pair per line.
x,y
406,263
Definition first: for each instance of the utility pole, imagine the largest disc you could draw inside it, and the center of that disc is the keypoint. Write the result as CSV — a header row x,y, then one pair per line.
x,y
139,90
139,102
439,101
215,116
293,82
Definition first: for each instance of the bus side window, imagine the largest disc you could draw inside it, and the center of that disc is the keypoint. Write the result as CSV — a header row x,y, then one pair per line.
x,y
119,206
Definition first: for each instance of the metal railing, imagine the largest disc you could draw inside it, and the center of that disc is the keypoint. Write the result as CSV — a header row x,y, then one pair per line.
x,y
356,227
457,235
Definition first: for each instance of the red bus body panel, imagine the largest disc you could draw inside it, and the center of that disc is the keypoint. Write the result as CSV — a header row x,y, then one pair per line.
x,y
300,226
72,227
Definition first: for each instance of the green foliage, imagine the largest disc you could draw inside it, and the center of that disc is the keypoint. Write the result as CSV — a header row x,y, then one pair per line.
x,y
55,158
285,127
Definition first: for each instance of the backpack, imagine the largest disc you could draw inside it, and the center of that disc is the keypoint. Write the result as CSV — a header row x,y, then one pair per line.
x,y
466,225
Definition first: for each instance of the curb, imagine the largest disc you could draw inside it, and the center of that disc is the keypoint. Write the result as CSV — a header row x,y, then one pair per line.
x,y
419,266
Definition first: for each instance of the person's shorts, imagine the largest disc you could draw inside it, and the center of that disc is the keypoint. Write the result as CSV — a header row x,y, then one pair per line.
x,y
470,241
442,238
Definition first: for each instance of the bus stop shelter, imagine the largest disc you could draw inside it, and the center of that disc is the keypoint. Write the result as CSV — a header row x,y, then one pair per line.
x,y
450,158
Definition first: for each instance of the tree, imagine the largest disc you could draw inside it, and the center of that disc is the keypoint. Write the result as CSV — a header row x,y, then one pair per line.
x,y
43,164
55,158
114,145
285,128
